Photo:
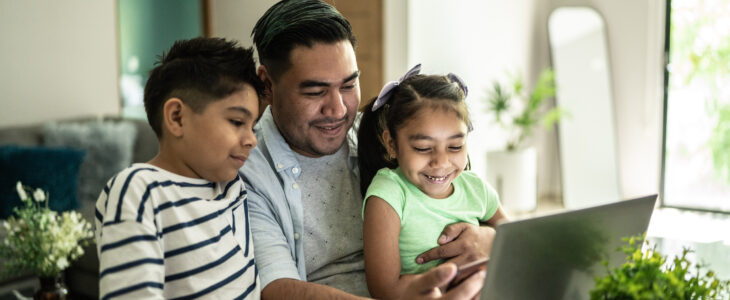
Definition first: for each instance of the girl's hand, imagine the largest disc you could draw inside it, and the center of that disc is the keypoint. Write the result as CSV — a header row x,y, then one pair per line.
x,y
462,243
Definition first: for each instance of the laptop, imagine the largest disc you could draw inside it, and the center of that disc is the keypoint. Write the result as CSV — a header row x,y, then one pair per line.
x,y
558,256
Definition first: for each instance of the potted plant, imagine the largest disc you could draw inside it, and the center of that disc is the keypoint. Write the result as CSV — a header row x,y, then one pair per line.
x,y
518,111
647,275
42,241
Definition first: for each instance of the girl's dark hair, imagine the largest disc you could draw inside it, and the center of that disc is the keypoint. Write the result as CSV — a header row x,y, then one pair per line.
x,y
407,99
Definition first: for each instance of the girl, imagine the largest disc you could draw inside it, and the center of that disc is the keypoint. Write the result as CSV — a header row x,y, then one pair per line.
x,y
412,157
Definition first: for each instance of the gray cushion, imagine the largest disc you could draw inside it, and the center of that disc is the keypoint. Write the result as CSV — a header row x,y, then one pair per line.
x,y
108,147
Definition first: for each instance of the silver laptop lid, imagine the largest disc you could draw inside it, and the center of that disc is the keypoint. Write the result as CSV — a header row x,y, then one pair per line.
x,y
558,256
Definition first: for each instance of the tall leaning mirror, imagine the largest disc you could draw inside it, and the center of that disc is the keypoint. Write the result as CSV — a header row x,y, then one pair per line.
x,y
586,137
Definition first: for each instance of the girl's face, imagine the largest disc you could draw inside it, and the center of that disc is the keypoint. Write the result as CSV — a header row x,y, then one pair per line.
x,y
431,150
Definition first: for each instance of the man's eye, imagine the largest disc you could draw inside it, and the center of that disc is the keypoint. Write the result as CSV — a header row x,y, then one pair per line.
x,y
314,94
348,87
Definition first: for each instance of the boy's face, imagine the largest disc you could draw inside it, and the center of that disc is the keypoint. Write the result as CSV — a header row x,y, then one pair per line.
x,y
217,141
315,101
431,151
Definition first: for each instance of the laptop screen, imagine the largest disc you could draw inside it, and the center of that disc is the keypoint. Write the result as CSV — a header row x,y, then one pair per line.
x,y
558,256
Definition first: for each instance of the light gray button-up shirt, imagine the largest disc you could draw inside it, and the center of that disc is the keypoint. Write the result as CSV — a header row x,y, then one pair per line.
x,y
275,202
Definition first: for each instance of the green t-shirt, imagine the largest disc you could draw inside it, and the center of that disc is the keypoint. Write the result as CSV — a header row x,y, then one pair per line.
x,y
423,218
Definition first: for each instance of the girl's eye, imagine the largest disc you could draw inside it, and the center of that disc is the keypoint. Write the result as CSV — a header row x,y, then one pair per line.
x,y
456,148
236,123
421,149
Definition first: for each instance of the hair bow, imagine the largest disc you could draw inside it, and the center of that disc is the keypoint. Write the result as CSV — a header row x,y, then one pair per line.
x,y
387,90
458,81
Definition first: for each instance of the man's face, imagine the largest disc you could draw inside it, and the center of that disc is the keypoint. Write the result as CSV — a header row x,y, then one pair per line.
x,y
314,102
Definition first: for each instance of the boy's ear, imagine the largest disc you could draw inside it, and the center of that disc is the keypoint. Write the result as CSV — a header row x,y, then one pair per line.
x,y
172,112
389,143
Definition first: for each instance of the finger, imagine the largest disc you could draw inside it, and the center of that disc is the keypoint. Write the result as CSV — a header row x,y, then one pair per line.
x,y
444,251
436,277
451,232
468,288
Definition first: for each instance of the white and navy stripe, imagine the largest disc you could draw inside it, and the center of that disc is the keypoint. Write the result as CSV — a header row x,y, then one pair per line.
x,y
162,235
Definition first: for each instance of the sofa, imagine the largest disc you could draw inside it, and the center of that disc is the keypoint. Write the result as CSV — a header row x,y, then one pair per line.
x,y
106,145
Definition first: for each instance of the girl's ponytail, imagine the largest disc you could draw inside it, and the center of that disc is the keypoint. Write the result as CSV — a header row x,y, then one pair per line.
x,y
371,152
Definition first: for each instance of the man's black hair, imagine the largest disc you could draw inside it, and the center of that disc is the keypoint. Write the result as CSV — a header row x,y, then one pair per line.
x,y
291,23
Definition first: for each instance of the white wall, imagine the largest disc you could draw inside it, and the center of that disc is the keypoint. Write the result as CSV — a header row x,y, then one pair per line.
x,y
58,59
234,19
635,33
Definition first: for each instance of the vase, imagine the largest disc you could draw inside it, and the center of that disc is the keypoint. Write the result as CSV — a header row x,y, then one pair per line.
x,y
52,288
514,175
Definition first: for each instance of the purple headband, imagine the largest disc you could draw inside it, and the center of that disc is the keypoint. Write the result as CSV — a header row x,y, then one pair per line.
x,y
387,91
460,82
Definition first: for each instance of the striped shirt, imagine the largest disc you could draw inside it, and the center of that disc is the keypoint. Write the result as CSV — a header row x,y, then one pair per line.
x,y
162,235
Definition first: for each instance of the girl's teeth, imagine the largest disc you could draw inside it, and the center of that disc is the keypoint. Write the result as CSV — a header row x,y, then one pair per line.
x,y
436,178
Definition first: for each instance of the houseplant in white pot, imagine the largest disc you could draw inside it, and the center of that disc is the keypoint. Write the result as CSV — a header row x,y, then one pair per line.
x,y
513,171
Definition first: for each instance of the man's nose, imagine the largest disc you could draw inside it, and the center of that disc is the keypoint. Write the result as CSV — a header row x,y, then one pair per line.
x,y
334,105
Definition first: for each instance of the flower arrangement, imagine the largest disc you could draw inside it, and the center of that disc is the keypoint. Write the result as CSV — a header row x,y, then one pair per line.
x,y
646,275
39,239
518,110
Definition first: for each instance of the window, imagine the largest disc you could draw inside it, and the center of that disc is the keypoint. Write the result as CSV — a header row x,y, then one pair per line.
x,y
146,29
696,160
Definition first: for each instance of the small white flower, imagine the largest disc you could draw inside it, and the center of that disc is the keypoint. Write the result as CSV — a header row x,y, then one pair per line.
x,y
62,263
21,191
39,195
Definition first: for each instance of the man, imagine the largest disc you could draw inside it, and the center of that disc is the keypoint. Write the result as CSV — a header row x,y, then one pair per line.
x,y
302,179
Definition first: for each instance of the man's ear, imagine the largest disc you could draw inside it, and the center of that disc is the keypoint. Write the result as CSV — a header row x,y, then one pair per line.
x,y
389,144
265,77
172,116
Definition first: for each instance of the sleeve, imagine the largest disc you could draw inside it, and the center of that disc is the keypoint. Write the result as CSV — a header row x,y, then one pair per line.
x,y
386,186
491,201
272,252
131,258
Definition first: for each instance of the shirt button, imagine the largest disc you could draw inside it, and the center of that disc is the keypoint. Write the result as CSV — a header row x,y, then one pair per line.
x,y
279,166
296,235
295,186
295,170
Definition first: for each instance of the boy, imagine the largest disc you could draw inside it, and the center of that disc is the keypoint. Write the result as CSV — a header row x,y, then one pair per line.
x,y
177,226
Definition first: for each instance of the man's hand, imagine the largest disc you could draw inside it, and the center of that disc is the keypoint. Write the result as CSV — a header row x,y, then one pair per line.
x,y
426,285
462,242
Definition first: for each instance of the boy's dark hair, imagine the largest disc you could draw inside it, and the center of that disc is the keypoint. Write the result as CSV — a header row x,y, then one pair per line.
x,y
407,99
198,71
291,23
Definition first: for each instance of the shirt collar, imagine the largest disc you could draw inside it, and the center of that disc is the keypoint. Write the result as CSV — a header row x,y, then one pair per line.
x,y
281,153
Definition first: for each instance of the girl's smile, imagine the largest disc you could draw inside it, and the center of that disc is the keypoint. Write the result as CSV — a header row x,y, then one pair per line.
x,y
431,150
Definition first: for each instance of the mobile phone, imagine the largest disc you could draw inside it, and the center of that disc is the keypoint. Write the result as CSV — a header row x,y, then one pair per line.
x,y
466,270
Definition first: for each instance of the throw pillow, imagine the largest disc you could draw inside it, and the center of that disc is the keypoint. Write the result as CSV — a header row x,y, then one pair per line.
x,y
108,147
55,170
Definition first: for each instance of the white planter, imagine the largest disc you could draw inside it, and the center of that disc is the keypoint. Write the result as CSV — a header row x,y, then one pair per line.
x,y
514,175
